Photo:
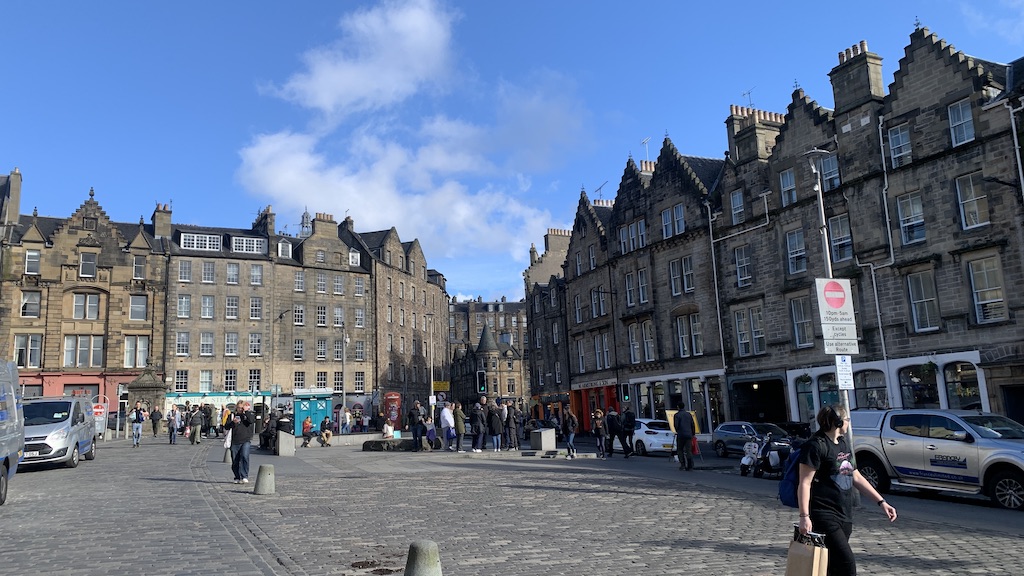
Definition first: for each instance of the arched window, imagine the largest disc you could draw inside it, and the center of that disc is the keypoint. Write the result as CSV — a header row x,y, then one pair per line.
x,y
918,388
828,389
869,387
962,389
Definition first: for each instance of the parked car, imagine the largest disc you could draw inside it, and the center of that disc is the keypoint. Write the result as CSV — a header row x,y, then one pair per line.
x,y
796,429
730,437
651,435
59,429
534,424
958,450
12,426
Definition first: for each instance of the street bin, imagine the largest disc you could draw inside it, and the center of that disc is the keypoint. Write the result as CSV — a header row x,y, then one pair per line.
x,y
542,439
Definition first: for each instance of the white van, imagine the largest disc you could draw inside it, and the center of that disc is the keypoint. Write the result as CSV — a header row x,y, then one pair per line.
x,y
59,429
12,426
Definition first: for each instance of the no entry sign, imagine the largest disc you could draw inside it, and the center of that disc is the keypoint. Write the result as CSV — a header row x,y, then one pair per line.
x,y
838,323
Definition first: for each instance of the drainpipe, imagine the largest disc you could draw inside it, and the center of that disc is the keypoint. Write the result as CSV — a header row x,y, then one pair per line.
x,y
872,267
1016,143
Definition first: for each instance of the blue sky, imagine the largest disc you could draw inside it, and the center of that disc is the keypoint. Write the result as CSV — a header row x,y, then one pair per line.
x,y
469,125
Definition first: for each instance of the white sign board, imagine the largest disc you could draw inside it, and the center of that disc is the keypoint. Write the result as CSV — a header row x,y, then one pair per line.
x,y
844,372
838,322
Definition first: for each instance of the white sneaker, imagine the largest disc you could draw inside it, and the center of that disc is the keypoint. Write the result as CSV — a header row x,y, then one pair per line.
x,y
462,451
477,450
245,480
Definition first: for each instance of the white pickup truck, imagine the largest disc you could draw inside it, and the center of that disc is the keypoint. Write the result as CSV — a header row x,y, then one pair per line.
x,y
956,450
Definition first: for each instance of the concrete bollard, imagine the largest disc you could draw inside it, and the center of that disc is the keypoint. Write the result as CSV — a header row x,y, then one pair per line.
x,y
424,559
265,480
227,456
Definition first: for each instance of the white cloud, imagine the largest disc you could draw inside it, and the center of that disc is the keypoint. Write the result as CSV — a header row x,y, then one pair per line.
x,y
1004,18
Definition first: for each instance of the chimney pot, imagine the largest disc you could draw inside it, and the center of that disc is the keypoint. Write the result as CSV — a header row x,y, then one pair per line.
x,y
864,46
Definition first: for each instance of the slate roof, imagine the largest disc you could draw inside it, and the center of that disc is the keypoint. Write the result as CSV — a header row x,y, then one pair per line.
x,y
708,170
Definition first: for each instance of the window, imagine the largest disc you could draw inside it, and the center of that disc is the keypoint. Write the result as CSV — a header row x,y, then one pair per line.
x,y
675,277
339,348
31,261
28,350
742,333
339,316
696,335
321,348
30,304
683,335
536,337
231,344
232,273
206,306
86,306
401,316
231,307
139,268
911,213
254,379
828,168
360,382
321,380
321,315
391,314
923,303
634,343
83,351
88,223
209,272
633,236
360,350
300,281
554,302
206,380
593,257
255,344
750,337
137,308
666,223
339,284
299,314
796,252
899,145
803,331
320,257
688,285
743,272
360,317
788,185
973,201
339,381
284,249
578,307
181,344
595,305
358,287
87,266
679,218
184,305
554,333
136,351
839,236
321,282
604,350
641,276
353,257
206,344
597,353
230,380
736,203
648,332
181,380
630,290
249,245
987,290
961,123
255,308
206,242
581,362
579,263
298,349
184,271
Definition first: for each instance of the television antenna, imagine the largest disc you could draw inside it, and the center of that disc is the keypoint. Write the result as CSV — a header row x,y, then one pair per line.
x,y
646,151
598,189
747,95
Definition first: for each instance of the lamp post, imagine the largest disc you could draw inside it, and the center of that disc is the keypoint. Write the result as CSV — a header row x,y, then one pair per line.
x,y
430,351
344,378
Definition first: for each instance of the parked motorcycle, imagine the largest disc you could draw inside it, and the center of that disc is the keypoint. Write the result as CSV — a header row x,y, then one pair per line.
x,y
770,459
751,449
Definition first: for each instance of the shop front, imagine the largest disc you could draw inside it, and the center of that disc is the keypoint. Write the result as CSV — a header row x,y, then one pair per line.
x,y
586,397
699,393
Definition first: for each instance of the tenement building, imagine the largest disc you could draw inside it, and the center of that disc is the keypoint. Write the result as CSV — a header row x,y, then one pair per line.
x,y
216,313
708,267
477,332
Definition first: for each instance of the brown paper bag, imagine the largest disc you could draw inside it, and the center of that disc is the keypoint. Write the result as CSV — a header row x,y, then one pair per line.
x,y
807,556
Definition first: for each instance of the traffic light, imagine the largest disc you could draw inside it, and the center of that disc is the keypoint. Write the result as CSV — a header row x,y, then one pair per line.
x,y
624,395
481,381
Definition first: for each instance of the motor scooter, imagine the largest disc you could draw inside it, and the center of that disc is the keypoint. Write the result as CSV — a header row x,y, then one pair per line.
x,y
768,461
750,454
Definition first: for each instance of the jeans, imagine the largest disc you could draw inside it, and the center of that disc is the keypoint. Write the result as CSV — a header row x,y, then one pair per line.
x,y
447,433
345,429
478,441
496,442
684,446
570,444
600,447
240,460
172,431
417,437
136,433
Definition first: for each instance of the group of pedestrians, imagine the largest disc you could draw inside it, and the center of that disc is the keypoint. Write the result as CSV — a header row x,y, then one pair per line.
x,y
499,422
607,428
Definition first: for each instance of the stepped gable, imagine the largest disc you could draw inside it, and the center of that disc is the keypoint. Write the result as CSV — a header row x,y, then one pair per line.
x,y
986,72
702,173
595,209
91,208
633,182
802,103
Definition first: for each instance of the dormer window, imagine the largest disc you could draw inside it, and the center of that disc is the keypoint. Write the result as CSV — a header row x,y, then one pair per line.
x,y
31,261
87,266
249,245
284,249
353,257
321,256
208,242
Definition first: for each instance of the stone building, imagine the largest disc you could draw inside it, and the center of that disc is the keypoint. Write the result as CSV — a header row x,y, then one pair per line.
x,y
492,368
216,313
503,322
919,191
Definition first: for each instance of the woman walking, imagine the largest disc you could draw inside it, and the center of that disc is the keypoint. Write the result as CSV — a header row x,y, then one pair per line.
x,y
828,472
599,432
571,424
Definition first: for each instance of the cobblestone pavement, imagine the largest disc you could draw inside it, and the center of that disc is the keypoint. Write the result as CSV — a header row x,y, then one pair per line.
x,y
173,510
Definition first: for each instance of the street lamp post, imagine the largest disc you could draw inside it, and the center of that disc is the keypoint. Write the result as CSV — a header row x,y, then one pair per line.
x,y
344,377
430,351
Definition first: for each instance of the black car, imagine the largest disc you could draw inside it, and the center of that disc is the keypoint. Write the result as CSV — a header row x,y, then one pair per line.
x,y
796,429
730,437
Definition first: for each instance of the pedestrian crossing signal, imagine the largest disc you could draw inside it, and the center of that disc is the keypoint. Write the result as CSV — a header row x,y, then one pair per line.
x,y
624,395
481,381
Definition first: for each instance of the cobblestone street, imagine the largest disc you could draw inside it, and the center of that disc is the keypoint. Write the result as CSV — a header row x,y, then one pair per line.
x,y
173,510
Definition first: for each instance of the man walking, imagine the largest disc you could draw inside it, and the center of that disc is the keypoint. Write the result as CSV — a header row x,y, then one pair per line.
x,y
628,427
137,416
155,417
613,426
511,435
414,421
478,424
173,421
241,427
683,421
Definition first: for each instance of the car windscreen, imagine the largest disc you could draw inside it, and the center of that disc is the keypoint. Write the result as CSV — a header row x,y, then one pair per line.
x,y
37,413
658,425
994,426
775,430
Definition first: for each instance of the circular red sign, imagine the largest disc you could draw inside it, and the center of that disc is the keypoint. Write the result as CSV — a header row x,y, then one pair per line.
x,y
835,296
99,408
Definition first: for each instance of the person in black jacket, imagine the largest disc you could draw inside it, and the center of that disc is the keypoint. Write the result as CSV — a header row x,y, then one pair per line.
x,y
414,424
613,427
494,425
242,425
626,430
478,424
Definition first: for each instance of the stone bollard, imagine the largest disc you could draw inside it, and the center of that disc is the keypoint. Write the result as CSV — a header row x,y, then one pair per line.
x,y
265,480
424,559
227,456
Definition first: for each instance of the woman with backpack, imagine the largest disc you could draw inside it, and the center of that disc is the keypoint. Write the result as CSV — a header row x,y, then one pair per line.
x,y
828,474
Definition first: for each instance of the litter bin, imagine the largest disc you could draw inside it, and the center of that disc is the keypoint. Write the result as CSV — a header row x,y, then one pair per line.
x,y
542,439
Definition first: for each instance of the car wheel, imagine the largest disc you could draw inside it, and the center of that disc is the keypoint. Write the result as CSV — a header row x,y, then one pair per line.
x,y
720,449
640,448
3,484
1007,490
91,454
75,458
873,471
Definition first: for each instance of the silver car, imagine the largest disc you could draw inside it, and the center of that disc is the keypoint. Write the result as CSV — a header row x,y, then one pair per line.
x,y
59,429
